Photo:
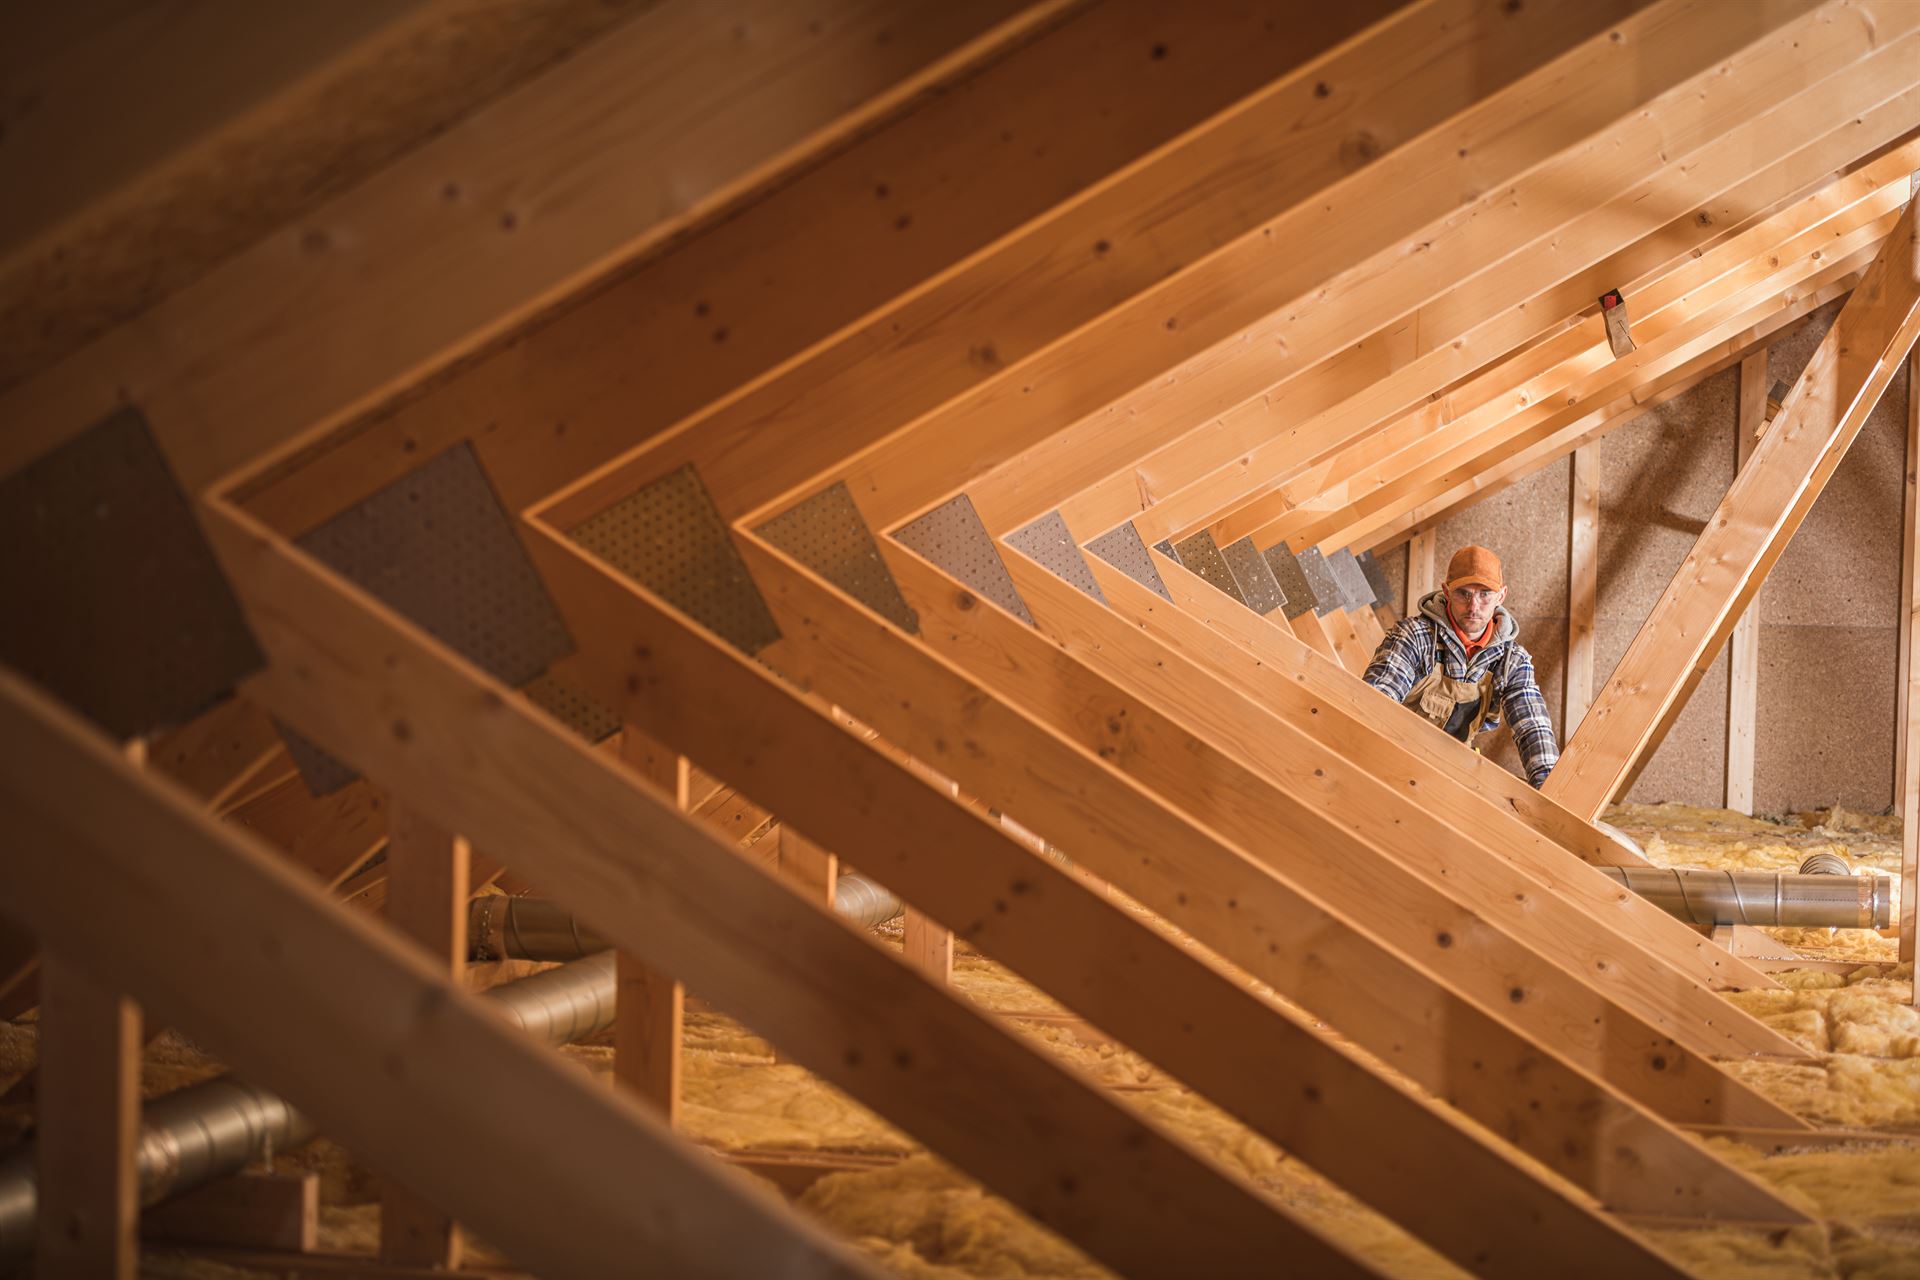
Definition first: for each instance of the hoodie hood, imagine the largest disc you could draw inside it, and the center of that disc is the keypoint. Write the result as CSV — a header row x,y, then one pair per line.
x,y
1434,605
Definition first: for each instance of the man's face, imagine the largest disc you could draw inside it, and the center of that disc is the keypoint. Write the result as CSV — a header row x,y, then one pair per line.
x,y
1473,606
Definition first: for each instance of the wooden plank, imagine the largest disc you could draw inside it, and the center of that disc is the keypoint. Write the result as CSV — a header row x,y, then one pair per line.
x,y
1909,724
981,876
809,866
1768,500
218,754
1423,575
1743,671
428,872
929,946
406,1067
1344,711
330,836
650,1005
251,1210
570,176
1529,238
87,1114
858,1018
1300,426
1583,585
1375,998
887,213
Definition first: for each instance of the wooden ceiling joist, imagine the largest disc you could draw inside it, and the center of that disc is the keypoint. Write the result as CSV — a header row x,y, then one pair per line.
x,y
386,1055
1769,499
462,750
1556,211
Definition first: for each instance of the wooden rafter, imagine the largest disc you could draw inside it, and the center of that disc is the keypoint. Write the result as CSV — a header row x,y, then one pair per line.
x,y
1752,526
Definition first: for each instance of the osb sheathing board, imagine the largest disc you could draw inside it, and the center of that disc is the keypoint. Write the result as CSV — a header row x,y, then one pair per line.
x,y
1829,610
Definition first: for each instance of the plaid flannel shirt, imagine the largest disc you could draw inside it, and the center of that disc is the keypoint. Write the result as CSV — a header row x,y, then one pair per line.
x,y
1416,642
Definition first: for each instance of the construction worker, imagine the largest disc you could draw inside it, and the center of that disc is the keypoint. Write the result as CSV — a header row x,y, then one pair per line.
x,y
1455,661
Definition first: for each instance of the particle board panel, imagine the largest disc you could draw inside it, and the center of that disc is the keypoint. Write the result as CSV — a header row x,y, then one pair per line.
x,y
1376,577
1691,764
1124,549
1661,477
118,605
952,536
1320,581
1050,543
1254,576
827,533
437,547
1199,554
1843,565
1298,592
1394,564
669,536
1526,526
1825,723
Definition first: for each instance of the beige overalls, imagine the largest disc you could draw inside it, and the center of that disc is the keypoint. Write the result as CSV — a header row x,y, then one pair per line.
x,y
1439,697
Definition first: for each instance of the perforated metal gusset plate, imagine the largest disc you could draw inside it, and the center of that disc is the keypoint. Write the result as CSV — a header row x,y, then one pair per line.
x,y
1200,555
1125,550
324,774
437,547
1249,569
669,538
589,717
1293,583
1049,542
828,534
1376,577
1165,547
1355,591
1327,596
113,599
952,537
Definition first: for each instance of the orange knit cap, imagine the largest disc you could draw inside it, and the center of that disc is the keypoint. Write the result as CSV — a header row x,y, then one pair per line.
x,y
1475,565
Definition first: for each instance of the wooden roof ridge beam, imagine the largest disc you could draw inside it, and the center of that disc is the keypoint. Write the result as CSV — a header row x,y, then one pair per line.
x,y
1800,303
812,260
452,246
462,749
984,321
1295,480
1669,987
1346,1092
1512,417
1765,505
1391,1004
1528,230
410,1062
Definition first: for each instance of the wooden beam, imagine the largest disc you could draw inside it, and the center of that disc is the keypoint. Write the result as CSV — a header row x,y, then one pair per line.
x,y
650,1005
1299,426
1768,500
807,865
88,1121
1743,671
428,870
252,1210
1528,237
1423,574
929,945
569,177
1909,723
220,753
858,1018
408,1067
331,836
1583,585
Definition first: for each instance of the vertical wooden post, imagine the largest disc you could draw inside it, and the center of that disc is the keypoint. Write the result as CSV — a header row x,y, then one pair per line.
x,y
1908,792
1583,585
808,865
650,1007
428,871
1743,649
929,948
1422,574
89,1117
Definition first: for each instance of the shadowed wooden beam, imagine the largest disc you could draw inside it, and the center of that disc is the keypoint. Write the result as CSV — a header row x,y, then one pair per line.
x,y
374,690
1583,585
1752,526
402,1072
1743,665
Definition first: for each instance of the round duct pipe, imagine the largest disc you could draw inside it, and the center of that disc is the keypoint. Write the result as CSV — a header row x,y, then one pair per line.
x,y
220,1126
1712,897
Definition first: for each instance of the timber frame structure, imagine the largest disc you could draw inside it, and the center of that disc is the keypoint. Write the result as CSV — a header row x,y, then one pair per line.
x,y
606,474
